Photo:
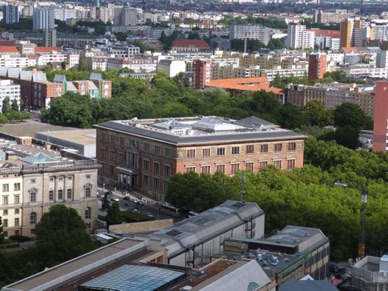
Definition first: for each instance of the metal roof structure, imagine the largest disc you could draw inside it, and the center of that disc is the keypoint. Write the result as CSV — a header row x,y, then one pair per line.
x,y
307,285
205,226
229,130
133,278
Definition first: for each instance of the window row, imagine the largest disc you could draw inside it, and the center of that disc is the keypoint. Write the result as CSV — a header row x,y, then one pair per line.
x,y
15,211
60,194
156,169
16,187
16,222
153,183
235,167
249,149
6,200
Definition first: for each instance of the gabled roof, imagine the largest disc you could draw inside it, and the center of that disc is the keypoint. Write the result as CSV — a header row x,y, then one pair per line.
x,y
349,49
59,78
9,49
39,158
46,49
95,76
191,43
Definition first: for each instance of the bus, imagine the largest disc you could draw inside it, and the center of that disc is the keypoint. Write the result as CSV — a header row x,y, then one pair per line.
x,y
170,210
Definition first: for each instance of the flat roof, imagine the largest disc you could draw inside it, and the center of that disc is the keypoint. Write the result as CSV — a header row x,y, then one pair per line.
x,y
133,278
36,281
79,136
200,129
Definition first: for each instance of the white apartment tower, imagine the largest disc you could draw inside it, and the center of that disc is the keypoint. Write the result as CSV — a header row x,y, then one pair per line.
x,y
298,37
44,18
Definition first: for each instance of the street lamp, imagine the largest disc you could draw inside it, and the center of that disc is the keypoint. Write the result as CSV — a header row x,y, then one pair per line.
x,y
364,200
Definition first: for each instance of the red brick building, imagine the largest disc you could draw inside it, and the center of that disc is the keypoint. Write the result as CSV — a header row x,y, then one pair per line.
x,y
202,73
141,155
380,117
317,66
190,46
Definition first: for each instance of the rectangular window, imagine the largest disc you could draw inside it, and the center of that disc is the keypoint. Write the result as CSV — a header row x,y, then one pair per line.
x,y
112,156
5,187
249,166
17,211
278,163
264,148
5,212
205,169
5,222
103,153
51,195
111,169
235,150
291,164
60,194
220,151
69,177
278,147
145,180
5,200
122,140
206,152
234,168
250,149
292,146
33,181
51,178
147,147
17,221
220,168
16,199
69,194
190,169
263,164
157,150
156,168
16,187
146,165
156,183
112,138
87,192
190,153
167,170
167,152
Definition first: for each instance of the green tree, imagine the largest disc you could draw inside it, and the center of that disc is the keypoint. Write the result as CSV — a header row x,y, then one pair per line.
x,y
291,116
6,105
317,114
113,215
349,114
1,231
181,80
275,43
14,105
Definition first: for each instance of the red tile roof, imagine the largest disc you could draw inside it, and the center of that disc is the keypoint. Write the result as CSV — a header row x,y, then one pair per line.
x,y
196,43
9,49
326,32
245,84
7,43
46,49
349,49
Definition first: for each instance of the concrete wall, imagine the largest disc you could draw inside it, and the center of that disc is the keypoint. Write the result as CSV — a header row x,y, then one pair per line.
x,y
129,228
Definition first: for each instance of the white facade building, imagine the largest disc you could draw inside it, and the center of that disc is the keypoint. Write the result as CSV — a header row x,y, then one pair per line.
x,y
64,14
8,89
172,67
125,50
7,61
259,32
298,37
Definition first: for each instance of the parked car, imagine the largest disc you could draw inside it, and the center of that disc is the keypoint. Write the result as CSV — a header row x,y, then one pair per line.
x,y
127,198
114,198
333,268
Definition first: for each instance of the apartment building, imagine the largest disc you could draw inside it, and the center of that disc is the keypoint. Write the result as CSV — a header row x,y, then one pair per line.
x,y
141,155
10,14
317,66
259,32
298,37
34,178
202,73
380,117
125,50
332,95
43,18
136,64
10,90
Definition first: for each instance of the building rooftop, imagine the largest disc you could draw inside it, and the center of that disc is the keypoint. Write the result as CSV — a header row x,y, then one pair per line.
x,y
76,267
244,84
79,136
307,285
201,129
134,278
194,230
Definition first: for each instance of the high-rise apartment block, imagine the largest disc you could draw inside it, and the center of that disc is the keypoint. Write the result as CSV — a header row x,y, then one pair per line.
x,y
299,37
380,117
202,73
10,14
44,18
125,16
259,32
317,66
348,31
50,37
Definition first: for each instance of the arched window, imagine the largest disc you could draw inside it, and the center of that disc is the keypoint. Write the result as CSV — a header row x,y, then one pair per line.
x,y
33,218
88,213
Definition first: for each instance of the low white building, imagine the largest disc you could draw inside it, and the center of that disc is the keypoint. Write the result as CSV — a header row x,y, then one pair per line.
x,y
172,67
9,89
